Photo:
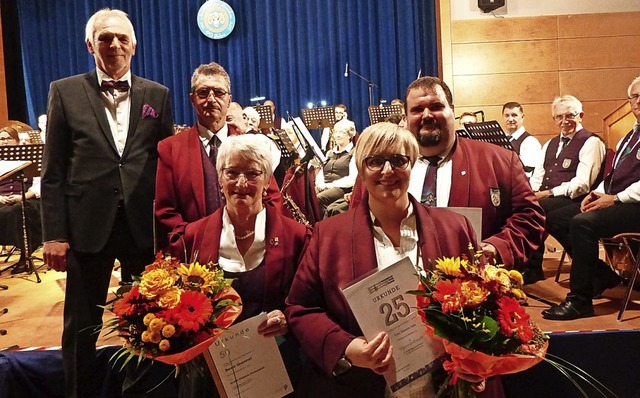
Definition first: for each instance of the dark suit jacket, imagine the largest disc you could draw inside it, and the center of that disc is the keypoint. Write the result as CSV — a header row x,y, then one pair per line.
x,y
342,250
286,240
180,196
84,178
487,176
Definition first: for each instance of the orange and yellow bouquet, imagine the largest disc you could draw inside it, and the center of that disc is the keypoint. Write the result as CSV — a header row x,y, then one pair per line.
x,y
174,312
475,310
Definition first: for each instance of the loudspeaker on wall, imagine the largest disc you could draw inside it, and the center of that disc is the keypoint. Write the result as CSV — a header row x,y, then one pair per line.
x,y
490,5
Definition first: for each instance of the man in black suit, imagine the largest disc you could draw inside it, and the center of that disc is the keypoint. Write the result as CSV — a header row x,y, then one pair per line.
x,y
98,183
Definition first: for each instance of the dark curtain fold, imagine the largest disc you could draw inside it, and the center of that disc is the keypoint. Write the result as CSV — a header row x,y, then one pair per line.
x,y
292,51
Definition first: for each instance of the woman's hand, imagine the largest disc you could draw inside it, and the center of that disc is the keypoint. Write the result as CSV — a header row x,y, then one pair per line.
x,y
275,325
376,354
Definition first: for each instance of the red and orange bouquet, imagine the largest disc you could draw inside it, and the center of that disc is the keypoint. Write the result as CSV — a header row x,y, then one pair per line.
x,y
174,312
475,310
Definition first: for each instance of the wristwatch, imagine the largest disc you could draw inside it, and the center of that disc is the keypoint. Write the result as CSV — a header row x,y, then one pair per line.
x,y
616,199
342,367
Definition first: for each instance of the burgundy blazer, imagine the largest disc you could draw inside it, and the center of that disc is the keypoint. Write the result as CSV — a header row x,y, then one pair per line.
x,y
342,250
180,198
513,221
286,240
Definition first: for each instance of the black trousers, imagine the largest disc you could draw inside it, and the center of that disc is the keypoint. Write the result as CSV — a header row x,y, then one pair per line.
x,y
88,277
555,209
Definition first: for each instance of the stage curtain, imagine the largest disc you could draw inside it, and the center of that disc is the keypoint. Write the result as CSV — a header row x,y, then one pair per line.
x,y
292,51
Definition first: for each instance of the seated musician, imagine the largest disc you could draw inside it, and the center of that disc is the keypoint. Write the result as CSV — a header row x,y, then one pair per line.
x,y
337,177
12,232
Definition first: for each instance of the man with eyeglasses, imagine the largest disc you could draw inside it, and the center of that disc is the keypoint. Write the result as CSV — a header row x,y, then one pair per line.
x,y
612,208
97,189
571,167
187,187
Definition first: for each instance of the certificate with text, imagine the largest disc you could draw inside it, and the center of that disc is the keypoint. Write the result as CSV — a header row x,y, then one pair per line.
x,y
380,303
246,364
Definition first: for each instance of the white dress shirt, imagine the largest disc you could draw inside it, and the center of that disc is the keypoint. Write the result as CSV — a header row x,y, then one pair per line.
x,y
632,193
117,106
230,258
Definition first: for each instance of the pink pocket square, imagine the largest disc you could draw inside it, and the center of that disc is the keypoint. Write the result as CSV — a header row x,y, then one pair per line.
x,y
148,112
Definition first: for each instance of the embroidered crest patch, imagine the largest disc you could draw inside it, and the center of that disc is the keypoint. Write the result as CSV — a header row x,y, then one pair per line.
x,y
495,196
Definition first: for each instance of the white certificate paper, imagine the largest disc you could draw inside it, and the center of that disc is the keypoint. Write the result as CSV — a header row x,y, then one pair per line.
x,y
247,364
380,303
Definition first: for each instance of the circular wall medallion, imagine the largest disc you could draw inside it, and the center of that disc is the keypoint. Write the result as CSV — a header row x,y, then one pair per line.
x,y
216,19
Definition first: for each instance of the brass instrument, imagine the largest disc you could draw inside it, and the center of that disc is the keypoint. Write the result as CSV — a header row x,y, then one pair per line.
x,y
293,208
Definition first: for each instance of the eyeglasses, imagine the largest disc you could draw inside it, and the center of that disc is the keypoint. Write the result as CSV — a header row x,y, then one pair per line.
x,y
568,116
234,175
397,162
634,97
205,92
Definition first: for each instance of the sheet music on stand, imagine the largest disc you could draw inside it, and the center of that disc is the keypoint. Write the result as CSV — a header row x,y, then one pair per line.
x,y
266,118
379,113
310,146
31,152
318,118
490,131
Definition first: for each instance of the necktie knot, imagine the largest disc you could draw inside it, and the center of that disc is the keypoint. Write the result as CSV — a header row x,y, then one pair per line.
x,y
433,160
565,141
120,85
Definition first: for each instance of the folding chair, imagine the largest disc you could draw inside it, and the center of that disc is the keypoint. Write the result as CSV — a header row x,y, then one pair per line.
x,y
620,253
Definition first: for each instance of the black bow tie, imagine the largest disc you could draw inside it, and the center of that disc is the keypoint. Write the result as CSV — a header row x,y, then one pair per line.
x,y
120,85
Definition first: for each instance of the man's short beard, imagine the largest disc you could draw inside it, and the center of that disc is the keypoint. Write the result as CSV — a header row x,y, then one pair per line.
x,y
429,139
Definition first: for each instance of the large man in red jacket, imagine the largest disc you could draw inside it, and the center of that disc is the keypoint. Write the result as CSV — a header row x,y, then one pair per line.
x,y
473,174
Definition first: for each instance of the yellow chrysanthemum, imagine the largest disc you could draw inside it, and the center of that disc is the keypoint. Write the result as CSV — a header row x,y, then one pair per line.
x,y
164,345
146,336
155,337
450,266
155,282
169,298
473,293
156,325
198,277
516,276
168,331
148,318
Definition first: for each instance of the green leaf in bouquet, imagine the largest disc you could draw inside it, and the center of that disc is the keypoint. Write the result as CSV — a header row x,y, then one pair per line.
x,y
446,326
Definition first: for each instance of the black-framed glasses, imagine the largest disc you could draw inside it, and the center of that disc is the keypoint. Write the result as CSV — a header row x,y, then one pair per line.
x,y
205,92
250,175
633,97
397,162
568,116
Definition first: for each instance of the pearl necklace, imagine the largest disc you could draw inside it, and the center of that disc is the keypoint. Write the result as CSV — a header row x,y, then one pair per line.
x,y
243,237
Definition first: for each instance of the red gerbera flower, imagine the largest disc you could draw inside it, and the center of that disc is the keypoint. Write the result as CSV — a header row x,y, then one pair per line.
x,y
131,303
513,319
194,310
449,295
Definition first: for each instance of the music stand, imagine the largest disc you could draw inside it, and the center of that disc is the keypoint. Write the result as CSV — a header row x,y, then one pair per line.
x,y
488,132
266,118
20,169
31,152
35,138
318,118
380,113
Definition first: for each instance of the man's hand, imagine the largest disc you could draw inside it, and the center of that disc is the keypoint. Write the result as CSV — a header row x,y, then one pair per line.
x,y
596,201
544,194
376,354
55,255
489,251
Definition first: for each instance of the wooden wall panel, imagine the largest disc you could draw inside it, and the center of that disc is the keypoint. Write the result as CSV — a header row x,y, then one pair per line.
x,y
504,29
618,123
4,110
598,25
505,57
599,52
500,88
603,84
532,60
